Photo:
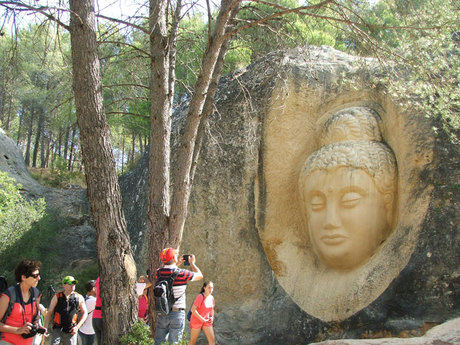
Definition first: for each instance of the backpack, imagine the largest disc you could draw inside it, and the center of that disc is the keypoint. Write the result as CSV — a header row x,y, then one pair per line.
x,y
66,311
13,293
163,294
3,284
189,314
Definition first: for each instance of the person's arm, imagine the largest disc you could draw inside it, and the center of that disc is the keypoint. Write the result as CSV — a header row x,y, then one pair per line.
x,y
195,312
84,315
211,314
197,275
24,329
50,312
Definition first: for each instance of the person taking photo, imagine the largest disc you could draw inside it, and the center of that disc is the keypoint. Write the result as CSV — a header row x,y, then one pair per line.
x,y
19,306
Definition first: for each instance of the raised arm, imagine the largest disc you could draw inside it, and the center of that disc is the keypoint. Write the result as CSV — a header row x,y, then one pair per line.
x,y
197,273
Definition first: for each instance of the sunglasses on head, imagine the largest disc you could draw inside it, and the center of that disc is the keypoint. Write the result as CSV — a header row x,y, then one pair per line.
x,y
36,275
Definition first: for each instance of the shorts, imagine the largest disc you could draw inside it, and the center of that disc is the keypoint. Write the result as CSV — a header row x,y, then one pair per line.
x,y
196,323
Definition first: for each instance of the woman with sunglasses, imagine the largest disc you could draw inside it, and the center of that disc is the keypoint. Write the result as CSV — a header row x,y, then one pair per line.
x,y
19,305
203,315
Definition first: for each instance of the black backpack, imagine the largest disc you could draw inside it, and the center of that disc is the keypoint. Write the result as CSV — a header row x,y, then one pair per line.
x,y
163,294
3,284
67,308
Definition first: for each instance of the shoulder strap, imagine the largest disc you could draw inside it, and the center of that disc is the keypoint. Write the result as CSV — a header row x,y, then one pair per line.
x,y
174,276
11,293
35,295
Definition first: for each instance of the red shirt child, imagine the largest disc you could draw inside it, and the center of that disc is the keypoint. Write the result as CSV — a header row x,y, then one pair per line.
x,y
204,307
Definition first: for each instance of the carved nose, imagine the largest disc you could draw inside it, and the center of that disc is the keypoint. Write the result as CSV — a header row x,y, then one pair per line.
x,y
332,220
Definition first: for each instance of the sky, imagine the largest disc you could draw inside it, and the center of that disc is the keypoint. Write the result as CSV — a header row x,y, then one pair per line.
x,y
121,9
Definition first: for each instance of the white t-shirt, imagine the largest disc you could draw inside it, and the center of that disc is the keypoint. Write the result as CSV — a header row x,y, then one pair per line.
x,y
140,288
87,327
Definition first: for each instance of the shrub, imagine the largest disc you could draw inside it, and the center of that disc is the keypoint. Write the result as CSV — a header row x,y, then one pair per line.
x,y
16,213
139,334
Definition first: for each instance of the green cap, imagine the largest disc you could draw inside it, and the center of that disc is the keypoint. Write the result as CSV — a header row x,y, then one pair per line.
x,y
69,280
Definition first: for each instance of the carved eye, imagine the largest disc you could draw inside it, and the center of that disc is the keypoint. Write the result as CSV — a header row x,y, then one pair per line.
x,y
317,203
351,199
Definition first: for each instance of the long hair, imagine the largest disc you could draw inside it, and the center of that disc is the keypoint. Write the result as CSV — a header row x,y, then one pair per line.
x,y
206,283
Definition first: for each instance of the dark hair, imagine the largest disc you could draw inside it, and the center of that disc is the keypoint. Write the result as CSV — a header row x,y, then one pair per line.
x,y
25,268
90,285
206,283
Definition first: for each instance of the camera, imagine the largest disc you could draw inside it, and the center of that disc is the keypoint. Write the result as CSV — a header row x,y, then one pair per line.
x,y
186,259
34,329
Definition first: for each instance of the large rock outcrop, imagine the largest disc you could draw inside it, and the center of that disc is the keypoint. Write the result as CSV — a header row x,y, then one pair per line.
x,y
249,222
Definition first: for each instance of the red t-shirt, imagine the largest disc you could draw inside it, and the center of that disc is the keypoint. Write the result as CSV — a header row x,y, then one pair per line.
x,y
17,318
204,307
97,313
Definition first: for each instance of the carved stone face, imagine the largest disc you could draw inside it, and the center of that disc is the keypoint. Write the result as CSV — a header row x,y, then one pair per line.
x,y
346,216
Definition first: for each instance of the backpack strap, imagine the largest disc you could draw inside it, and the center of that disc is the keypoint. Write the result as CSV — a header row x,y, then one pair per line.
x,y
174,275
171,282
35,295
11,293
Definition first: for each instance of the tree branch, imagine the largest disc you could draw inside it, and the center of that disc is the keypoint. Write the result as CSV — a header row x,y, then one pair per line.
x,y
120,21
127,113
127,44
126,84
42,10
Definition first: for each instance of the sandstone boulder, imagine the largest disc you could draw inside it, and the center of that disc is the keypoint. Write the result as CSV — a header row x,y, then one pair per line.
x,y
245,220
447,333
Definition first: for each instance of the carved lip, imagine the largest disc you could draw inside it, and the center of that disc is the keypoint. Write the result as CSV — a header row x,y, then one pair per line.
x,y
333,239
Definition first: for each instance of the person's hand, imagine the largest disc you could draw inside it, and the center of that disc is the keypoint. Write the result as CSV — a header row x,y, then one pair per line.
x,y
181,260
74,330
191,259
25,329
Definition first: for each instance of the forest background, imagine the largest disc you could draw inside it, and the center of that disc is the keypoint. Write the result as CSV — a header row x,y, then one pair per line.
x,y
37,104
36,101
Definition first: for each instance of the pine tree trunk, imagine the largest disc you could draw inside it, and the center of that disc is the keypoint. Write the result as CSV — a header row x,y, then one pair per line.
x,y
160,133
66,143
29,135
72,144
38,134
116,265
49,148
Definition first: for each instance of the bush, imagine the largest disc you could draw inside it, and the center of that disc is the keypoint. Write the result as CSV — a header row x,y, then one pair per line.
x,y
139,334
16,213
58,175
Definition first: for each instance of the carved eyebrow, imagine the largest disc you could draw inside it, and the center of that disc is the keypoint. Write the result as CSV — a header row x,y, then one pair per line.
x,y
319,196
353,189
312,193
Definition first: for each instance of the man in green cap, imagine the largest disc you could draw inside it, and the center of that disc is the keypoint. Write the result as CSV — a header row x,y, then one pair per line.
x,y
64,308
